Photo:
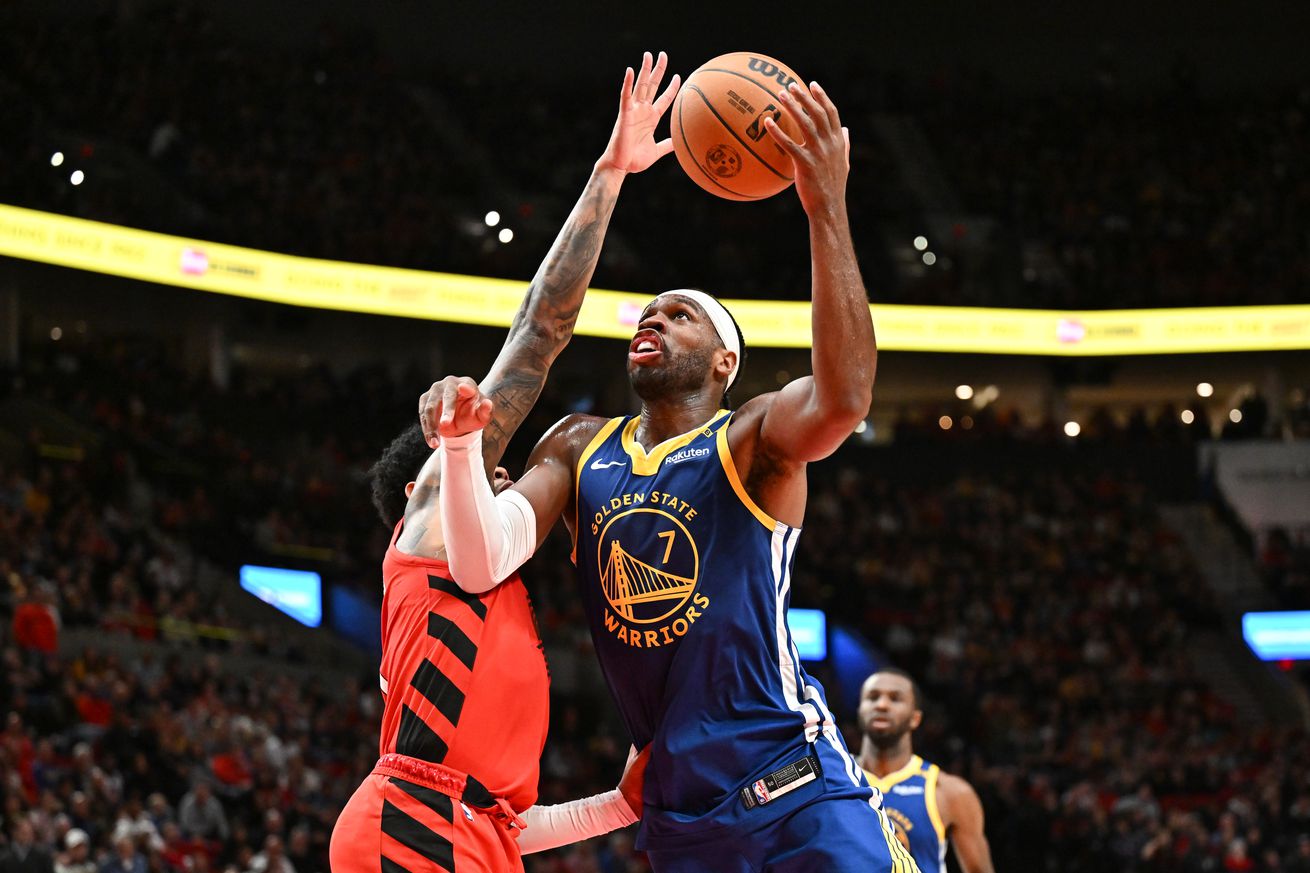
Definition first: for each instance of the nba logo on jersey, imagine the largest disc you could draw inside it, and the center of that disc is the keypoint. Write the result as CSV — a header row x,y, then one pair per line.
x,y
761,791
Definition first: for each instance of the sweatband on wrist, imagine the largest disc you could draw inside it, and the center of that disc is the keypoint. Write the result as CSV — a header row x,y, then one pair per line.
x,y
487,536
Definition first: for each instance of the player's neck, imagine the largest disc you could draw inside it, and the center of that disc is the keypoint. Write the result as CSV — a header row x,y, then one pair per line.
x,y
885,761
666,418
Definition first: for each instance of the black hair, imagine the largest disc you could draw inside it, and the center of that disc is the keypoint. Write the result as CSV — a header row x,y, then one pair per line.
x,y
914,686
399,465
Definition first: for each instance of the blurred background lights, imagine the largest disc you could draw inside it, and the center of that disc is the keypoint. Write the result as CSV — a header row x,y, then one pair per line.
x,y
964,392
56,333
1235,416
1187,416
929,258
77,177
1204,389
56,159
862,427
921,243
492,218
945,422
1072,428
505,235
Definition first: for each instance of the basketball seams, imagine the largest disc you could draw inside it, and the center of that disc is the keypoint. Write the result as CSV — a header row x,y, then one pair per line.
x,y
728,127
767,89
682,132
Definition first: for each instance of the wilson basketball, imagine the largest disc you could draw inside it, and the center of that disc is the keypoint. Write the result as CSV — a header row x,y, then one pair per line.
x,y
718,126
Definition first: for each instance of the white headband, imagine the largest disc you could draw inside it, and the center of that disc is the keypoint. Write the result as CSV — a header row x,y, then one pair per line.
x,y
722,321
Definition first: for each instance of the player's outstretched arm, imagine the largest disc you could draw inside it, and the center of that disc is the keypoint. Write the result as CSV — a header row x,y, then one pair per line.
x,y
544,323
489,536
810,417
962,813
549,827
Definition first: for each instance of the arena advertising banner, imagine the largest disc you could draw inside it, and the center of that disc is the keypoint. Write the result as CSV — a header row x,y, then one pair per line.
x,y
298,593
1278,636
223,269
1266,482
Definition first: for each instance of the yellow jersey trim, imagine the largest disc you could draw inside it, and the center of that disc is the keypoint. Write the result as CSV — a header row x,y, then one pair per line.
x,y
601,435
648,464
884,784
900,857
930,800
730,469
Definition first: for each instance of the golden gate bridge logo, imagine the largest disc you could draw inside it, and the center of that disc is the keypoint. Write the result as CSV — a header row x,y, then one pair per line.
x,y
638,590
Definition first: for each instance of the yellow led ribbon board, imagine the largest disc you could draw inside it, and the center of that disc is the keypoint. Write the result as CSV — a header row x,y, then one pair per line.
x,y
223,269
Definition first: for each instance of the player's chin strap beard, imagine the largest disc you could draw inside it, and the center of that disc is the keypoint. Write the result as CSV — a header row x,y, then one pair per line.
x,y
722,321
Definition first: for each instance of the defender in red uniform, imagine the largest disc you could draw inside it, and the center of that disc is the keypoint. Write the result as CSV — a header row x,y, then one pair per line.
x,y
463,674
465,689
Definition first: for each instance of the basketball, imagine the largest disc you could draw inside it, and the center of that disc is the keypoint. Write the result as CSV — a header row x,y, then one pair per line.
x,y
718,126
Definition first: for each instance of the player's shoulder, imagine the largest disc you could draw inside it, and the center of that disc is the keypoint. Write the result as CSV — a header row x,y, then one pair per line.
x,y
747,418
955,795
568,437
579,425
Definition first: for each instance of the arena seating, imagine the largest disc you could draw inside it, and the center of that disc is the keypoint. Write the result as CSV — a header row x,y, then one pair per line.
x,y
1046,614
1093,197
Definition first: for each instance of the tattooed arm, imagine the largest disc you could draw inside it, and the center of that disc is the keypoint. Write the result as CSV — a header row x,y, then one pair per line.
x,y
544,323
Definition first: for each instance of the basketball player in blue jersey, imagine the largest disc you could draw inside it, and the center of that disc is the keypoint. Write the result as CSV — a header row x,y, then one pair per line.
x,y
928,806
685,521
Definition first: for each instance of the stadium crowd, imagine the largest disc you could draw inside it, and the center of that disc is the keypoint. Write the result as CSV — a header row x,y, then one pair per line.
x,y
1124,199
1099,197
1046,614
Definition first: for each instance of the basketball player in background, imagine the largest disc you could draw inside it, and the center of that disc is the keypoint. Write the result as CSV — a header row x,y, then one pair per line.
x,y
928,806
463,674
685,521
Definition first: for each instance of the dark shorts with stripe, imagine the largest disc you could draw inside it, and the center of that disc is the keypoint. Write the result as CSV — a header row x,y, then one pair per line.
x,y
828,836
393,825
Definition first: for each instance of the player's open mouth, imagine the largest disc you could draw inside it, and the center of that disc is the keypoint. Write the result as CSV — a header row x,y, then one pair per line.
x,y
647,346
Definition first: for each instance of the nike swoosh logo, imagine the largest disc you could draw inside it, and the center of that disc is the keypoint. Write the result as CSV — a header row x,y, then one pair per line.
x,y
597,465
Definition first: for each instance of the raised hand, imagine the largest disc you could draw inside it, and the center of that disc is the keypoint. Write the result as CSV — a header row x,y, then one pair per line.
x,y
823,160
632,146
453,407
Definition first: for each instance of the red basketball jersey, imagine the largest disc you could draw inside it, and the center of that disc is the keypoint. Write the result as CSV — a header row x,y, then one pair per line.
x,y
463,676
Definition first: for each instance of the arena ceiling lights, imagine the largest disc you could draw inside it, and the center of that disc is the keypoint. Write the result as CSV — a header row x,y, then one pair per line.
x,y
223,269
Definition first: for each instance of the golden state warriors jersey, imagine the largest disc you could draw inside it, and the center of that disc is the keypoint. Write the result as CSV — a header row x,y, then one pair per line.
x,y
686,583
909,798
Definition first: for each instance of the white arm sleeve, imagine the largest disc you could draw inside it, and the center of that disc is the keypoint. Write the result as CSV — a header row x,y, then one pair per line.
x,y
549,827
487,536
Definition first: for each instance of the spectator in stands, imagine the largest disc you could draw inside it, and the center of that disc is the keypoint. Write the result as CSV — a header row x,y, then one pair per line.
x,y
159,810
1300,860
23,854
125,859
178,851
76,857
36,621
272,859
201,814
135,824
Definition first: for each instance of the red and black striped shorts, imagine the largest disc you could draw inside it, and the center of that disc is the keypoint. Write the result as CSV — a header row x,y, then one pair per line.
x,y
410,816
